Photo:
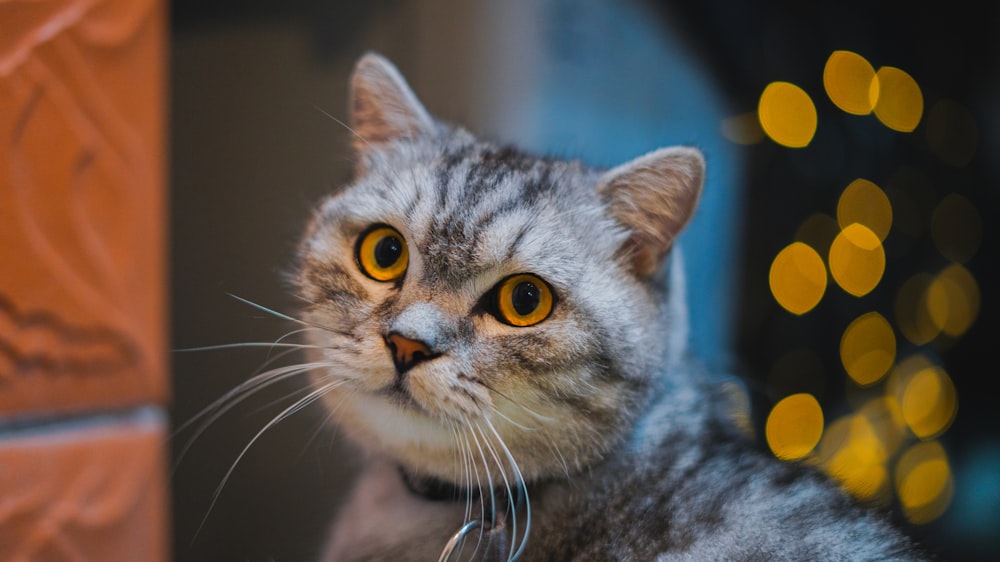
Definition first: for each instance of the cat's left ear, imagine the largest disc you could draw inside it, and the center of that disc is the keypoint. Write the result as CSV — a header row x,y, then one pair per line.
x,y
381,105
654,197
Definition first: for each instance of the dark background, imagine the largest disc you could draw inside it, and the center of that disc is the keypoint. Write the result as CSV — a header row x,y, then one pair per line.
x,y
251,152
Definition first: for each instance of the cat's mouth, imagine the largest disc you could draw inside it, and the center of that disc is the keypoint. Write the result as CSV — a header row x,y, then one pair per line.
x,y
398,395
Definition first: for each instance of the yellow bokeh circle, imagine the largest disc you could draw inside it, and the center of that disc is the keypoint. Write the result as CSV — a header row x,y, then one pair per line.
x,y
787,114
912,313
853,454
929,402
848,79
924,482
926,395
868,348
797,278
886,420
794,426
900,103
953,300
865,203
857,259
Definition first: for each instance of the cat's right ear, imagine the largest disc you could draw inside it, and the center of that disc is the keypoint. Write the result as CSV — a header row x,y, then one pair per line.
x,y
381,106
654,197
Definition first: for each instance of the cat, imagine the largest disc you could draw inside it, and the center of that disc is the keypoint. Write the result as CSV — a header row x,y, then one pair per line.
x,y
502,336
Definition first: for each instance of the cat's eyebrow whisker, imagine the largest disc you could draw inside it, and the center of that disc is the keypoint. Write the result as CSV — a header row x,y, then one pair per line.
x,y
290,410
344,125
372,151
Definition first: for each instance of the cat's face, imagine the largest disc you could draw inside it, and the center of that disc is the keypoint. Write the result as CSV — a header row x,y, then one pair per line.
x,y
480,307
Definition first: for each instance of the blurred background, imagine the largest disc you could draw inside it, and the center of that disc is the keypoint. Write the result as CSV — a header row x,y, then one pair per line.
x,y
843,261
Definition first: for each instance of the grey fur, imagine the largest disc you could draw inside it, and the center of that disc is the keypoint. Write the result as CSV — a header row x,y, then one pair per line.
x,y
626,448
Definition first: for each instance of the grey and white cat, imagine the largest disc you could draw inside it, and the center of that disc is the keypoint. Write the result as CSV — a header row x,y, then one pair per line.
x,y
502,335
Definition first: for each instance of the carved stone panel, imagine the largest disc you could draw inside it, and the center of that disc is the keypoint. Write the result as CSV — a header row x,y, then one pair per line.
x,y
82,206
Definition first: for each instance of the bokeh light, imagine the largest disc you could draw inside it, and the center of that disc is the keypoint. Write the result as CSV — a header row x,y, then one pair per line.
x,y
852,453
865,203
956,228
886,419
787,114
900,104
857,259
868,348
743,129
818,231
953,300
913,317
884,448
926,396
924,482
797,278
850,82
794,426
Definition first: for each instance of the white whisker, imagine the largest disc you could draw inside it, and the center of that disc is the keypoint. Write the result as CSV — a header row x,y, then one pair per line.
x,y
489,482
230,399
506,484
532,413
247,344
295,407
497,411
523,487
284,316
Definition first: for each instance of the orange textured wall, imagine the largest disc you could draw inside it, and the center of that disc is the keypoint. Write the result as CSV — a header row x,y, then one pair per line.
x,y
83,367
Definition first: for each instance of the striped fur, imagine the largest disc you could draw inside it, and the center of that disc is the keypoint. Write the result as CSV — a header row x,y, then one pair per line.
x,y
623,447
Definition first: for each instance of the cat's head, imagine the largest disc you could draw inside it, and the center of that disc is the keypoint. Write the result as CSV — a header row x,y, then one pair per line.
x,y
479,303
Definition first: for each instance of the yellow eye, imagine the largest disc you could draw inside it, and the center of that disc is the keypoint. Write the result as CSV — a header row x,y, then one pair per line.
x,y
523,300
382,253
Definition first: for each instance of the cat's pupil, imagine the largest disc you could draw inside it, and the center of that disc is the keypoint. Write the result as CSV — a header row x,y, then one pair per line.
x,y
387,251
525,298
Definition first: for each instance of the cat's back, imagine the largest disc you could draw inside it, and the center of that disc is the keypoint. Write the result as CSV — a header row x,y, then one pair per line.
x,y
703,490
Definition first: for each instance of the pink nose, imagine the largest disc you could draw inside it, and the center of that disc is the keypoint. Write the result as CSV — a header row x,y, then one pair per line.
x,y
406,352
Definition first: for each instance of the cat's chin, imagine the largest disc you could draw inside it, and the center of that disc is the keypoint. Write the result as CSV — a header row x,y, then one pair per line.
x,y
399,397
390,422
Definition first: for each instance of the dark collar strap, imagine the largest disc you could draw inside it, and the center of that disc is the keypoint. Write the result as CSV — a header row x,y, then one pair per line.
x,y
494,523
437,490
434,489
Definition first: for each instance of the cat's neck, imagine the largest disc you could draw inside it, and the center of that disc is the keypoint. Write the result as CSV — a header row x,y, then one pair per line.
x,y
435,489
